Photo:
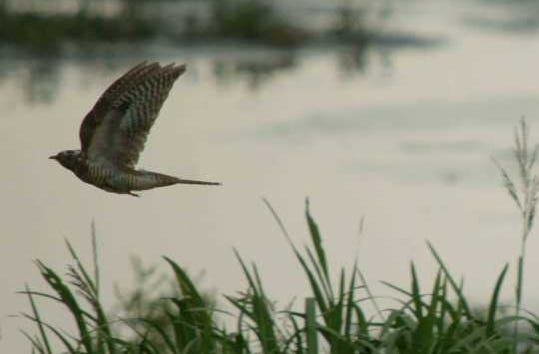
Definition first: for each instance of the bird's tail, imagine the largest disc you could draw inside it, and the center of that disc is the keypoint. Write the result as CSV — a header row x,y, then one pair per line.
x,y
148,180
194,181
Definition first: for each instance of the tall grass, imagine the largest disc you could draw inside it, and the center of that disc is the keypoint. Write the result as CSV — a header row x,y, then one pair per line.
x,y
523,190
341,315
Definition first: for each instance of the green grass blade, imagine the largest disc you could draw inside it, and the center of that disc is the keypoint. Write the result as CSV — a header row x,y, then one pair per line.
x,y
427,324
70,348
397,288
256,306
370,295
161,331
315,287
416,293
518,288
456,288
44,338
350,304
70,301
317,242
95,255
296,337
491,317
41,294
36,344
322,280
310,326
183,280
196,306
90,288
86,279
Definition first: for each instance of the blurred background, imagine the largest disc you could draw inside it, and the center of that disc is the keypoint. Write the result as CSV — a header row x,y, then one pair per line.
x,y
386,114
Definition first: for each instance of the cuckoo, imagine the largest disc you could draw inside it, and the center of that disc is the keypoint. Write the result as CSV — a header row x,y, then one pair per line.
x,y
113,133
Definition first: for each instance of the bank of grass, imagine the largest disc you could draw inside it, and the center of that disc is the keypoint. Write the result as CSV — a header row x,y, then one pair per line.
x,y
340,316
252,21
43,33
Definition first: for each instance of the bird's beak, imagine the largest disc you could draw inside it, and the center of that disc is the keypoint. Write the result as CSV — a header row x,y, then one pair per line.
x,y
53,157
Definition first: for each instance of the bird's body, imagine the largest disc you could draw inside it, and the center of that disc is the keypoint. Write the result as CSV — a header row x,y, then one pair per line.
x,y
113,133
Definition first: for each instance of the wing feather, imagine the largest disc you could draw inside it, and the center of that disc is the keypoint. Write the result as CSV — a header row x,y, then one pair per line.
x,y
116,128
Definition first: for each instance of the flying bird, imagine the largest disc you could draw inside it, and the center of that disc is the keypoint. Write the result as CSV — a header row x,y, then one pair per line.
x,y
113,133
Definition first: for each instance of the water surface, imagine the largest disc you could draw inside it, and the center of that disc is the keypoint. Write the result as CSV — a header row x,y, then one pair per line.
x,y
400,137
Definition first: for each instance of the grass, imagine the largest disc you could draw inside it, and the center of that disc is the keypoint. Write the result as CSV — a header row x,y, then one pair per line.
x,y
524,192
341,315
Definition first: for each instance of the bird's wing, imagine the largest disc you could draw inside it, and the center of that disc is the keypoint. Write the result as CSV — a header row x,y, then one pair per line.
x,y
115,130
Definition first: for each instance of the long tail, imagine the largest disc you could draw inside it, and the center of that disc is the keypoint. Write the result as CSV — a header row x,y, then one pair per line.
x,y
148,180
194,181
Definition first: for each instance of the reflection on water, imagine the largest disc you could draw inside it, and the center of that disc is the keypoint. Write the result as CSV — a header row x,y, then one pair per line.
x,y
523,24
354,60
42,82
513,17
351,48
40,79
254,71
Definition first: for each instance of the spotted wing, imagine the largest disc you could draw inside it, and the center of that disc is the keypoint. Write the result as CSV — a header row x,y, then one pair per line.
x,y
116,128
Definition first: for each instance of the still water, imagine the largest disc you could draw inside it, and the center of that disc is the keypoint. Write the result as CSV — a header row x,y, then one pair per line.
x,y
400,137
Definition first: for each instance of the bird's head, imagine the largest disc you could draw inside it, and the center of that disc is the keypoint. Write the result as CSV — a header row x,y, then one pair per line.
x,y
70,159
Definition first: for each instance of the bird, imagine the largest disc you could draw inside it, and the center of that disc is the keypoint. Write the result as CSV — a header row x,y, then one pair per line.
x,y
113,133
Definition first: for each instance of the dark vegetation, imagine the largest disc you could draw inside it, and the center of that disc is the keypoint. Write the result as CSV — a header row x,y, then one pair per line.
x,y
45,32
255,21
340,316
252,20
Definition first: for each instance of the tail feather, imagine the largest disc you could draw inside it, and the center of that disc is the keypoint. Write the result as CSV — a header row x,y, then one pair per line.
x,y
148,180
193,181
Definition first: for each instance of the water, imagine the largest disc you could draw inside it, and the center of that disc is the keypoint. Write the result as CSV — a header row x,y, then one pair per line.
x,y
400,137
